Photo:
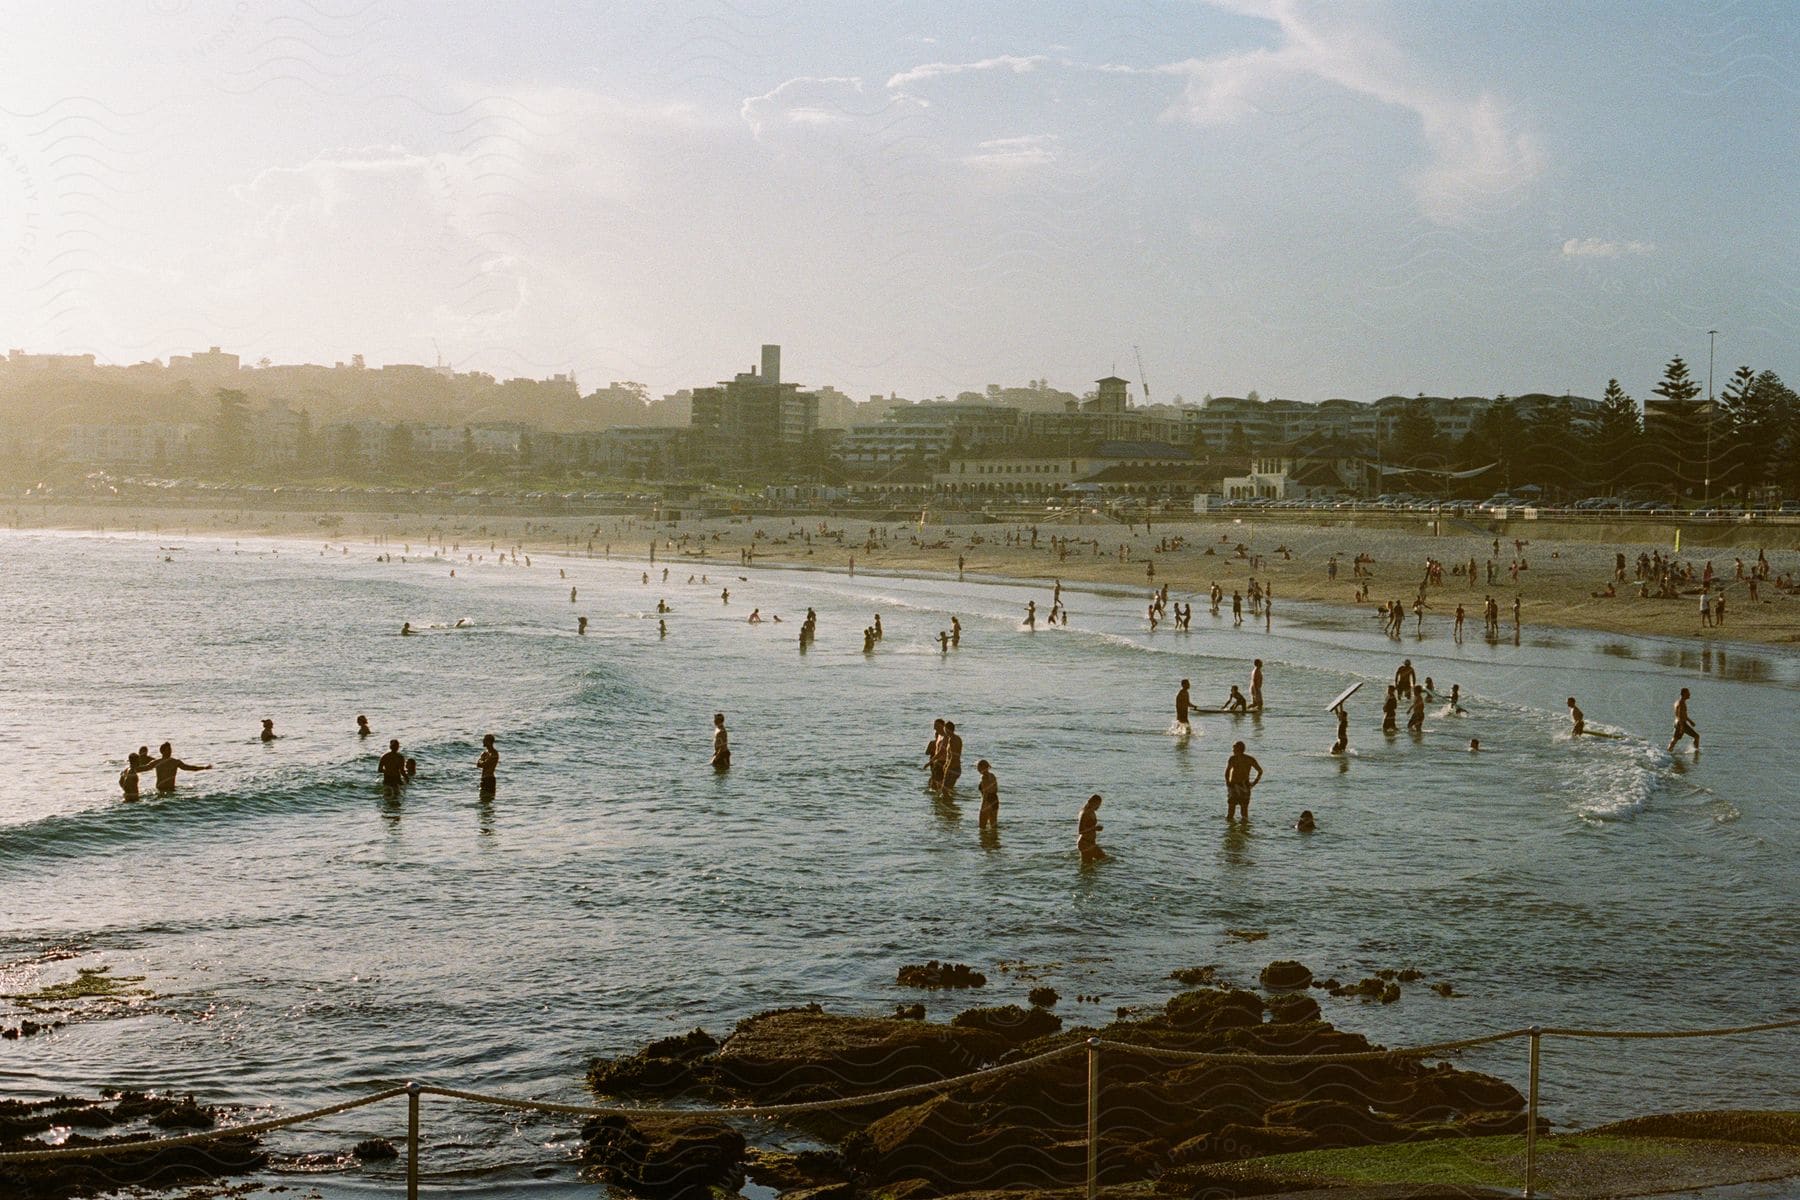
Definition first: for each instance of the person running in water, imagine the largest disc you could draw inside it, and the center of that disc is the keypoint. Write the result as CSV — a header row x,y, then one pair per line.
x,y
721,755
1577,722
1684,724
489,763
1239,780
990,796
1087,831
168,766
1183,702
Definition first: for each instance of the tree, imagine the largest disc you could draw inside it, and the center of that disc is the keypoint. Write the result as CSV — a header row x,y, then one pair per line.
x,y
1498,435
348,448
1550,454
1614,443
232,429
1676,431
1416,440
399,446
468,444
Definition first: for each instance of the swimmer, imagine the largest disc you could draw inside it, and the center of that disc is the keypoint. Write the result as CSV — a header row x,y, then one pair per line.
x,y
662,629
1474,745
392,765
868,639
721,755
268,730
489,763
128,782
1256,682
725,596
943,641
1031,614
406,629
1238,780
412,769
1343,733
989,788
581,626
1087,831
755,617
362,727
1305,824
1577,721
1684,725
1236,703
168,765
1183,702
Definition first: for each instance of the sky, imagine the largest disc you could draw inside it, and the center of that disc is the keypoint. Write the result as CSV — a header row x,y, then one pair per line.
x,y
1308,200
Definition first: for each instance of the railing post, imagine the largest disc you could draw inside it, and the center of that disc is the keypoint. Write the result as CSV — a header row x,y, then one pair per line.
x,y
1531,1119
412,1141
1093,1118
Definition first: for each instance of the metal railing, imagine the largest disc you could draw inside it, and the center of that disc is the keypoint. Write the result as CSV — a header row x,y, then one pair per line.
x,y
1092,1047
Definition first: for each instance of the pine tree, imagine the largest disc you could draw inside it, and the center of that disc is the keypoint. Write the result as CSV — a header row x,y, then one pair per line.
x,y
1614,442
1675,431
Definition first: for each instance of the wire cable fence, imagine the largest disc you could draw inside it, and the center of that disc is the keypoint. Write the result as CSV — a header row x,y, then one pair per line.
x,y
1095,1049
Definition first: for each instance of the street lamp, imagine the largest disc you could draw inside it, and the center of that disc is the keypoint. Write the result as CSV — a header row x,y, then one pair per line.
x,y
1712,336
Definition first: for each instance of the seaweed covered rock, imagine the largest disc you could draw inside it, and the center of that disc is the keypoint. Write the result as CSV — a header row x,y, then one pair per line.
x,y
935,974
1043,997
1211,1009
1285,975
662,1068
953,1145
809,1054
1016,1025
1290,1008
664,1162
128,1116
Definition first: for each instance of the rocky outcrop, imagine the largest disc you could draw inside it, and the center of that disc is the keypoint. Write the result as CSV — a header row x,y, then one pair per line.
x,y
129,1117
1215,1074
935,974
664,1162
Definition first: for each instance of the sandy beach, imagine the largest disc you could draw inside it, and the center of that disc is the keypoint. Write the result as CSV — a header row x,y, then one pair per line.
x,y
1564,565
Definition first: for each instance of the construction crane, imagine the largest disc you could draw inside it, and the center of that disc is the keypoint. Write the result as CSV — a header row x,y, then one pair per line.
x,y
1142,382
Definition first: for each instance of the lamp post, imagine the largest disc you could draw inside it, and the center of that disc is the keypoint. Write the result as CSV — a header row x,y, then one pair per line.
x,y
1712,336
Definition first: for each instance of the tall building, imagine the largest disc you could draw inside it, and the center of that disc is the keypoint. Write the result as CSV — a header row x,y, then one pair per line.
x,y
754,421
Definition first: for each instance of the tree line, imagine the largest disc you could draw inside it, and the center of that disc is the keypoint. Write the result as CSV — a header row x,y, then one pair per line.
x,y
1677,446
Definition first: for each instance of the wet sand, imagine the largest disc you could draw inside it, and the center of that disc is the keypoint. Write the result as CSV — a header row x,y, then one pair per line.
x,y
1564,566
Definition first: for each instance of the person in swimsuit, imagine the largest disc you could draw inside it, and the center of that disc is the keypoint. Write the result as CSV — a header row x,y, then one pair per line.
x,y
489,763
1306,823
990,796
1389,705
721,755
168,766
1343,734
1235,703
1256,682
1183,702
1577,721
268,730
1239,780
392,765
128,782
934,760
950,750
1087,831
1415,721
1684,725
362,727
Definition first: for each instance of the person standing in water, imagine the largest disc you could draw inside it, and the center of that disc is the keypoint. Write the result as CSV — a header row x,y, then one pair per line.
x,y
581,626
362,727
1389,705
955,632
943,641
950,750
1577,722
1239,780
1183,702
989,788
128,781
489,763
1684,725
721,755
1087,831
933,749
725,596
268,730
1256,682
1343,733
168,765
1031,614
392,765
1415,721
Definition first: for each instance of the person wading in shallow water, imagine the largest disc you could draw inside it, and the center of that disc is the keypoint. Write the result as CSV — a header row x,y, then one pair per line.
x,y
721,755
1239,780
168,765
1087,832
489,763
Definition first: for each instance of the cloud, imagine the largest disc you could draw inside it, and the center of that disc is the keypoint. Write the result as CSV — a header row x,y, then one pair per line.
x,y
818,101
1017,64
1015,153
1598,248
1477,151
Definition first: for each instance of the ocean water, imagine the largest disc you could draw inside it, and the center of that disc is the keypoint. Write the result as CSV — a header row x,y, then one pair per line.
x,y
306,938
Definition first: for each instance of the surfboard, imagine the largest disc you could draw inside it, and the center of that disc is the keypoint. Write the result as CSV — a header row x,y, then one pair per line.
x,y
1344,695
1599,734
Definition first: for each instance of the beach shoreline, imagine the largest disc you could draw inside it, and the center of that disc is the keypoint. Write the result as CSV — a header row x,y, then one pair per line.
x,y
1565,566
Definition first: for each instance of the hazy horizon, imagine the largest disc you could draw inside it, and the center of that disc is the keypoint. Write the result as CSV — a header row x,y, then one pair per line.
x,y
1306,201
